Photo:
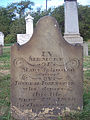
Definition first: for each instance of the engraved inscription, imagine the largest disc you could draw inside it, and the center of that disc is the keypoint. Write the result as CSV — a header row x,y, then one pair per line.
x,y
45,72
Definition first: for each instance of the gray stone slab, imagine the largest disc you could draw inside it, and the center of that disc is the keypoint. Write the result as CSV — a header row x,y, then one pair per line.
x,y
46,75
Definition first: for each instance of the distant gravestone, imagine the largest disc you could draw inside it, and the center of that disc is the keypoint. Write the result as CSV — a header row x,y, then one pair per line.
x,y
72,34
46,75
1,39
24,38
1,43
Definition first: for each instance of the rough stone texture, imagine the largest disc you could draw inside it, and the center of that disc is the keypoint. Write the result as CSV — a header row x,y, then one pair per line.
x,y
46,75
24,38
1,50
1,39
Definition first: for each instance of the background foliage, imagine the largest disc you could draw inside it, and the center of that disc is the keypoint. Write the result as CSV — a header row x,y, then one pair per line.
x,y
12,18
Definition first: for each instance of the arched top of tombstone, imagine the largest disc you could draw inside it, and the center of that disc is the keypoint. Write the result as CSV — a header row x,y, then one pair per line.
x,y
1,34
46,35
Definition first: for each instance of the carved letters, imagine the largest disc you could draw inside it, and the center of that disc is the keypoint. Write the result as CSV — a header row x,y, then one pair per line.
x,y
47,72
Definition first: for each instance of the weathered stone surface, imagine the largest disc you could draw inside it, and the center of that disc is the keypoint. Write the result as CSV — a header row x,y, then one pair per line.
x,y
1,50
46,75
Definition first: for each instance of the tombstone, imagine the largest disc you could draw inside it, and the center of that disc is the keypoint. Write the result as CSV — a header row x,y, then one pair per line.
x,y
1,43
29,24
24,38
72,34
1,39
46,75
85,48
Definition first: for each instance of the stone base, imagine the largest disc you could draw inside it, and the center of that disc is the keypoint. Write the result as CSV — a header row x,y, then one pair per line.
x,y
1,50
77,39
23,38
73,38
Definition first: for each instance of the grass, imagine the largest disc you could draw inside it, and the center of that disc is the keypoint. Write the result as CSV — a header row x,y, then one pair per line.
x,y
5,97
5,59
5,89
5,85
8,44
